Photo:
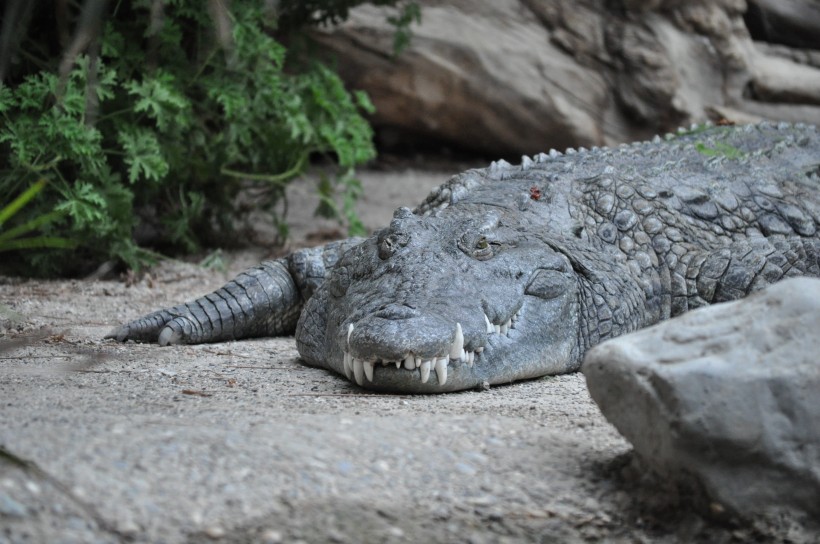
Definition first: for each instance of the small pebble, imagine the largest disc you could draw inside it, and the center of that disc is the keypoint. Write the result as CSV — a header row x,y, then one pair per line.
x,y
271,536
214,531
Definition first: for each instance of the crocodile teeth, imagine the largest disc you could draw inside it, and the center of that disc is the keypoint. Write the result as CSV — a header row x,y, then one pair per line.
x,y
441,370
457,347
506,326
358,370
425,371
361,370
348,366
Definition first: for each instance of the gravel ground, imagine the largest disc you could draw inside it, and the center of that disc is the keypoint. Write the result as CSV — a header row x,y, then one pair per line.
x,y
240,442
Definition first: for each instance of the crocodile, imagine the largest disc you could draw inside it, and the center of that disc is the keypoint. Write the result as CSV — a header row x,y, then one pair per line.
x,y
514,271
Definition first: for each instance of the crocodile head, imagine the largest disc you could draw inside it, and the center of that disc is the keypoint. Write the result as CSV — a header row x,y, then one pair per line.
x,y
447,302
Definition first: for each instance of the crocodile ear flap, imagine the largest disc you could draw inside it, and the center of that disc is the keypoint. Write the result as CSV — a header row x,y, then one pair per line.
x,y
548,283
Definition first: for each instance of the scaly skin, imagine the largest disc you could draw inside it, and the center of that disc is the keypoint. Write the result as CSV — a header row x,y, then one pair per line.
x,y
513,272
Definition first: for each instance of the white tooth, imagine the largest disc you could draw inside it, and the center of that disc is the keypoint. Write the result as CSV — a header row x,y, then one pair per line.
x,y
417,362
441,370
489,325
464,355
479,349
505,327
348,364
409,362
470,358
497,329
425,371
368,370
358,370
508,324
458,344
398,365
349,332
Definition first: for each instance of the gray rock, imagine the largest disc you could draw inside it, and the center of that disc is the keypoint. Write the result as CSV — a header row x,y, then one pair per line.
x,y
725,399
521,76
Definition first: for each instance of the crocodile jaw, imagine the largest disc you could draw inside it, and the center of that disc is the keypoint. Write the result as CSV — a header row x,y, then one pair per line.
x,y
525,346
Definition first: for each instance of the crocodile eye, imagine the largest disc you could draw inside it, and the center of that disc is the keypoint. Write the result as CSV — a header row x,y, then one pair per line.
x,y
483,250
476,246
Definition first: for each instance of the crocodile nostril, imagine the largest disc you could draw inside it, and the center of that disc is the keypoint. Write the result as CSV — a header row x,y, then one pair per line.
x,y
396,312
390,244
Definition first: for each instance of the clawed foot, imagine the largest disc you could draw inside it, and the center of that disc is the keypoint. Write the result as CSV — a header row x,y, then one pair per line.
x,y
162,327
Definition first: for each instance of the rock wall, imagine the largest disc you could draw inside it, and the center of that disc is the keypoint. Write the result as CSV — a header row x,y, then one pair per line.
x,y
508,77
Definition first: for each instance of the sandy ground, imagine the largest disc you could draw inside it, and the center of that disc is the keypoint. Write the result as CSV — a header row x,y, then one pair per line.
x,y
239,442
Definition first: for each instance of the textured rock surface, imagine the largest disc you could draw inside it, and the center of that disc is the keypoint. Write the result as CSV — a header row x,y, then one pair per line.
x,y
520,76
726,398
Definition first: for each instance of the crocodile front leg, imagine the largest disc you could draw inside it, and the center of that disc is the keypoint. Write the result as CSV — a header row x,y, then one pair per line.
x,y
262,301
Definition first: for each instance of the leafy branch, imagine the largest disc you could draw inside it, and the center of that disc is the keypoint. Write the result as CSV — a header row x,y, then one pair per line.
x,y
156,115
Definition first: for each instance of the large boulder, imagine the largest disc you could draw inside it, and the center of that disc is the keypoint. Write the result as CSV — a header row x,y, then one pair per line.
x,y
724,400
521,76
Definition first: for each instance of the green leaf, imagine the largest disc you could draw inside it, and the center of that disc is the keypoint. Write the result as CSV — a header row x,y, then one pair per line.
x,y
143,155
86,206
7,101
15,205
160,99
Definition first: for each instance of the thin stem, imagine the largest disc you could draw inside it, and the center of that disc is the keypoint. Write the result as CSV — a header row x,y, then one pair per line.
x,y
278,179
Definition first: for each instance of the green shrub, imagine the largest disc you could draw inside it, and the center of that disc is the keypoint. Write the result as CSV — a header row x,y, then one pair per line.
x,y
162,121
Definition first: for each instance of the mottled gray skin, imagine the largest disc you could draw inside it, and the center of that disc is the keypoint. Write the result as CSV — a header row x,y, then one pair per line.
x,y
576,247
